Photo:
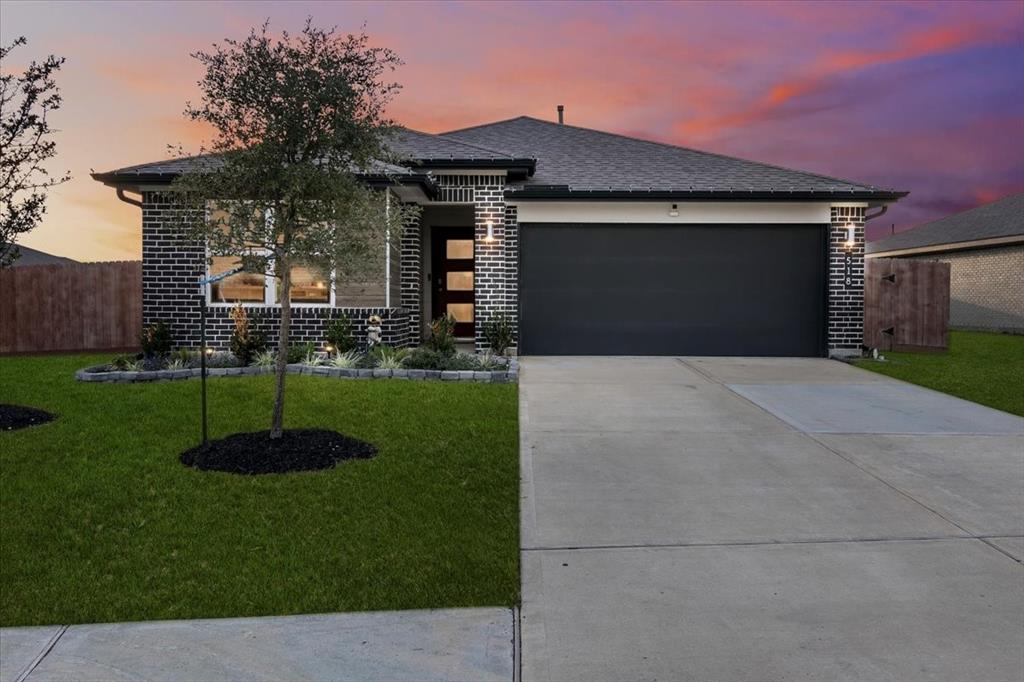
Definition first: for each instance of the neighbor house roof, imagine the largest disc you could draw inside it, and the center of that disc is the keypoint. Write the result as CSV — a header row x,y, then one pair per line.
x,y
35,257
1001,221
574,162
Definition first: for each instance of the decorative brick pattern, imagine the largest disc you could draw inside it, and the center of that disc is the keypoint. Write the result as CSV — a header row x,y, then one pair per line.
x,y
846,301
172,266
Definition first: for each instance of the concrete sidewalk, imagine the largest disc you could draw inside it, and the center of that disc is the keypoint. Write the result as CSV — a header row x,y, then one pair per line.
x,y
765,519
447,644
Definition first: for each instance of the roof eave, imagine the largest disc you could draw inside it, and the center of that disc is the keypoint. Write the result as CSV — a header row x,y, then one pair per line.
x,y
376,180
565,193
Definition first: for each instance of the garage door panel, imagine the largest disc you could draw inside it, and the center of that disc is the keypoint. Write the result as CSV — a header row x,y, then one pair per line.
x,y
672,290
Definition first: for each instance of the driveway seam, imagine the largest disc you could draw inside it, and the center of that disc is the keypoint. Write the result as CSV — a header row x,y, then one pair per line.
x,y
845,458
42,654
751,543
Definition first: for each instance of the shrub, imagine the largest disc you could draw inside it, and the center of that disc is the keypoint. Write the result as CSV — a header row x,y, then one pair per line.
x,y
297,352
487,362
499,333
312,358
121,362
176,363
339,334
462,362
386,357
155,339
424,358
220,359
442,335
244,342
346,360
265,359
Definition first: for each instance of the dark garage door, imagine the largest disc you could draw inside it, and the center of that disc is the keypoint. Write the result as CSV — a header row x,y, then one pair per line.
x,y
672,290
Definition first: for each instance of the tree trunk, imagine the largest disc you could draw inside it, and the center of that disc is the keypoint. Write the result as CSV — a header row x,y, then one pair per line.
x,y
281,369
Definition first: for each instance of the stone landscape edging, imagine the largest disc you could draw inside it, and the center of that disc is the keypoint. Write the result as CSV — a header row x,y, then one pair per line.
x,y
509,375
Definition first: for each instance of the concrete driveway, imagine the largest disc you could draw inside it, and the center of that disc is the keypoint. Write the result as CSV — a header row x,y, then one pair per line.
x,y
765,519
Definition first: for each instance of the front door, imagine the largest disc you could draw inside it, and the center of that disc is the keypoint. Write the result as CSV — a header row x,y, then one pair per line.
x,y
452,250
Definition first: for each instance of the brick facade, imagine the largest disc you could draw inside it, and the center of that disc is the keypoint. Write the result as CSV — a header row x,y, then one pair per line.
x,y
986,287
846,298
172,266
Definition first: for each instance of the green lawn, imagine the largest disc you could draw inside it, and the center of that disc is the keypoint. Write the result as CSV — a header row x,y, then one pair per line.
x,y
100,522
985,368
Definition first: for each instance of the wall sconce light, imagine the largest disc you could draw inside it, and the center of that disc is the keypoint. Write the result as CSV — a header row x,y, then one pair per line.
x,y
490,232
674,211
851,237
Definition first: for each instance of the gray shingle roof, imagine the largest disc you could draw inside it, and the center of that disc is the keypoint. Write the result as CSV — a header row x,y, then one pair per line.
x,y
413,145
1002,218
584,160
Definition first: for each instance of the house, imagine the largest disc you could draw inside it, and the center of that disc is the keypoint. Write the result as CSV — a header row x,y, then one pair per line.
x,y
29,256
984,247
587,241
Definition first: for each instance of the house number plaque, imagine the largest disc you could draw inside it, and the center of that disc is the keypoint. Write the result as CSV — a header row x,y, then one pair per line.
x,y
847,270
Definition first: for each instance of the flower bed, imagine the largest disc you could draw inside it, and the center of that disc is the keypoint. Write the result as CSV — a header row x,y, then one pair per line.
x,y
508,373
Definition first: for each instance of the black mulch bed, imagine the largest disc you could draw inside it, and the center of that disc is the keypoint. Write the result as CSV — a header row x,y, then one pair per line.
x,y
295,450
18,417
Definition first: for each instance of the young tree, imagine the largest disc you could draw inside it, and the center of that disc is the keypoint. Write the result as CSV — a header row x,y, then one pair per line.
x,y
25,145
299,123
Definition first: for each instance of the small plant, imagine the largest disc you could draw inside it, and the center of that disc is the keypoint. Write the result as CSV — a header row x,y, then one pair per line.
x,y
389,358
346,360
177,363
155,339
121,362
312,358
220,359
186,357
244,342
499,333
442,335
265,358
339,335
424,358
133,366
462,362
487,362
297,352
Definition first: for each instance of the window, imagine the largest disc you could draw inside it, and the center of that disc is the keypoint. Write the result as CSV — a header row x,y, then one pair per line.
x,y
245,287
308,286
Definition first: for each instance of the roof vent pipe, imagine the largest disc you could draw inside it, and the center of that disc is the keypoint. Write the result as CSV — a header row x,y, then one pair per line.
x,y
561,111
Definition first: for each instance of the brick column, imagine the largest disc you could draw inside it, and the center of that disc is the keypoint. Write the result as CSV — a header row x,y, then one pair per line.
x,y
411,269
846,285
489,280
512,268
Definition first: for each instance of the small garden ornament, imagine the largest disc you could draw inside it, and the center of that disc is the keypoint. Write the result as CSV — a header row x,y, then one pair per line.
x,y
373,331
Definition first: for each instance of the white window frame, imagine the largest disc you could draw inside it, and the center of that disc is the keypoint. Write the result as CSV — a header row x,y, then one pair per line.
x,y
269,288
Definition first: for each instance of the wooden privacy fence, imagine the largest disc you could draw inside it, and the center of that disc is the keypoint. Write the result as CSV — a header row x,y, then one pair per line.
x,y
906,304
73,307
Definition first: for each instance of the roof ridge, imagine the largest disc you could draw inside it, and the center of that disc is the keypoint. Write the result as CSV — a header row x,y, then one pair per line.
x,y
690,149
484,125
461,142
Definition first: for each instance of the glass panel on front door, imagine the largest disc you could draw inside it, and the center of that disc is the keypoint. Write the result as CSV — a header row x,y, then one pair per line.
x,y
460,281
462,312
459,249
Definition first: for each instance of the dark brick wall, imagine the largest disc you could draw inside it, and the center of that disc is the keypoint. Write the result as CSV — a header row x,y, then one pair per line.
x,y
172,265
845,301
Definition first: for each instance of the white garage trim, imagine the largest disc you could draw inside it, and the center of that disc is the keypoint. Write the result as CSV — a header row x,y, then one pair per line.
x,y
706,213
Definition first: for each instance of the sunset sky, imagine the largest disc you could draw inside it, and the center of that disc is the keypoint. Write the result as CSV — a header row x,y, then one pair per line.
x,y
925,97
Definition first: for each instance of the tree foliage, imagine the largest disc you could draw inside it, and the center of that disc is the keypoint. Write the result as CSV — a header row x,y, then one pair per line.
x,y
299,127
26,143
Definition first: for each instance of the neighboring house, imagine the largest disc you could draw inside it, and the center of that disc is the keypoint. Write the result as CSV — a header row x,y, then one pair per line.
x,y
985,250
589,243
35,257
